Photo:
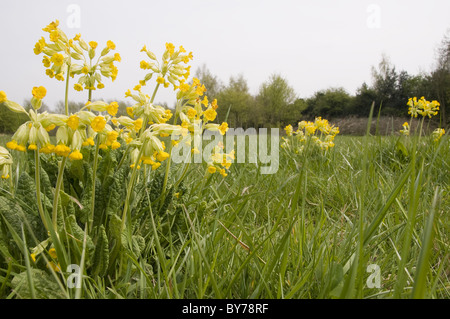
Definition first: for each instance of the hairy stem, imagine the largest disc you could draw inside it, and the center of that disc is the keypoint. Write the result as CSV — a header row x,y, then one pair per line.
x,y
94,177
59,181
66,95
38,188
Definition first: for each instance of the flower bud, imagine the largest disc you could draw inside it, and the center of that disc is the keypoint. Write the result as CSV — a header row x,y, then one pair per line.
x,y
13,106
62,136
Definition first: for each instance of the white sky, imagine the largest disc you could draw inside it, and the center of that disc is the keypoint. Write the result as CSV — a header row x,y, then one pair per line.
x,y
313,44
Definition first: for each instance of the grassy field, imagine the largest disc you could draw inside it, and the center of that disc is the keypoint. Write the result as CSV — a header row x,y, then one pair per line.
x,y
369,219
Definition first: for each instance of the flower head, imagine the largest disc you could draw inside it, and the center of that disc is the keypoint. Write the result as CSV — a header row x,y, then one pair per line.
x,y
98,123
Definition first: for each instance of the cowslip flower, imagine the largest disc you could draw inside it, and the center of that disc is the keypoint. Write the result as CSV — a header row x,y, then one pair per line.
x,y
437,134
98,123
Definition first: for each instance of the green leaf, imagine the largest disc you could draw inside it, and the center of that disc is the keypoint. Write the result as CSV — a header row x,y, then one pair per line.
x,y
101,255
44,285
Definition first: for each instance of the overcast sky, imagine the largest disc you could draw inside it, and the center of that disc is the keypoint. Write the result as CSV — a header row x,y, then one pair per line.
x,y
313,44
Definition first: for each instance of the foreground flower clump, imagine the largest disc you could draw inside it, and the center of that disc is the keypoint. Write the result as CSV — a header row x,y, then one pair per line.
x,y
92,180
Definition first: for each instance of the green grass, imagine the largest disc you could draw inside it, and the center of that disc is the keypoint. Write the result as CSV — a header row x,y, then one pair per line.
x,y
308,231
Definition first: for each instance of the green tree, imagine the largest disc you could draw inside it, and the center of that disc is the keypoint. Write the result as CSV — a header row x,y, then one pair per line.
x,y
440,78
236,101
10,121
363,100
330,103
275,95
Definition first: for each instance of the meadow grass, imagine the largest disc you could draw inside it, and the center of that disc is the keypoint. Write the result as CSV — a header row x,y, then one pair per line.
x,y
308,231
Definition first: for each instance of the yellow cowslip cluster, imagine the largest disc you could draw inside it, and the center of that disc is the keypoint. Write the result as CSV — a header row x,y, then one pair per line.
x,y
422,107
170,70
437,134
73,132
319,132
60,51
5,162
220,161
405,130
193,108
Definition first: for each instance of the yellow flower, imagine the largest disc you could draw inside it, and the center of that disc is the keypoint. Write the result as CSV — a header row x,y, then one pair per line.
x,y
54,35
110,45
212,169
214,104
85,69
50,127
3,97
144,65
160,80
57,59
46,61
210,114
62,150
78,87
93,45
117,57
47,149
59,77
112,108
138,124
55,267
88,141
100,86
12,145
33,257
437,134
191,113
50,73
184,87
205,101
162,156
98,123
73,122
39,46
155,166
111,137
115,145
52,26
222,172
170,47
76,155
39,92
52,253
130,111
21,148
223,128
289,130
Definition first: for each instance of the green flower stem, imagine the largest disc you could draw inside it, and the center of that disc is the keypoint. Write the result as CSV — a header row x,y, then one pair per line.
x,y
38,188
130,186
94,177
145,120
169,160
66,96
134,172
57,190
